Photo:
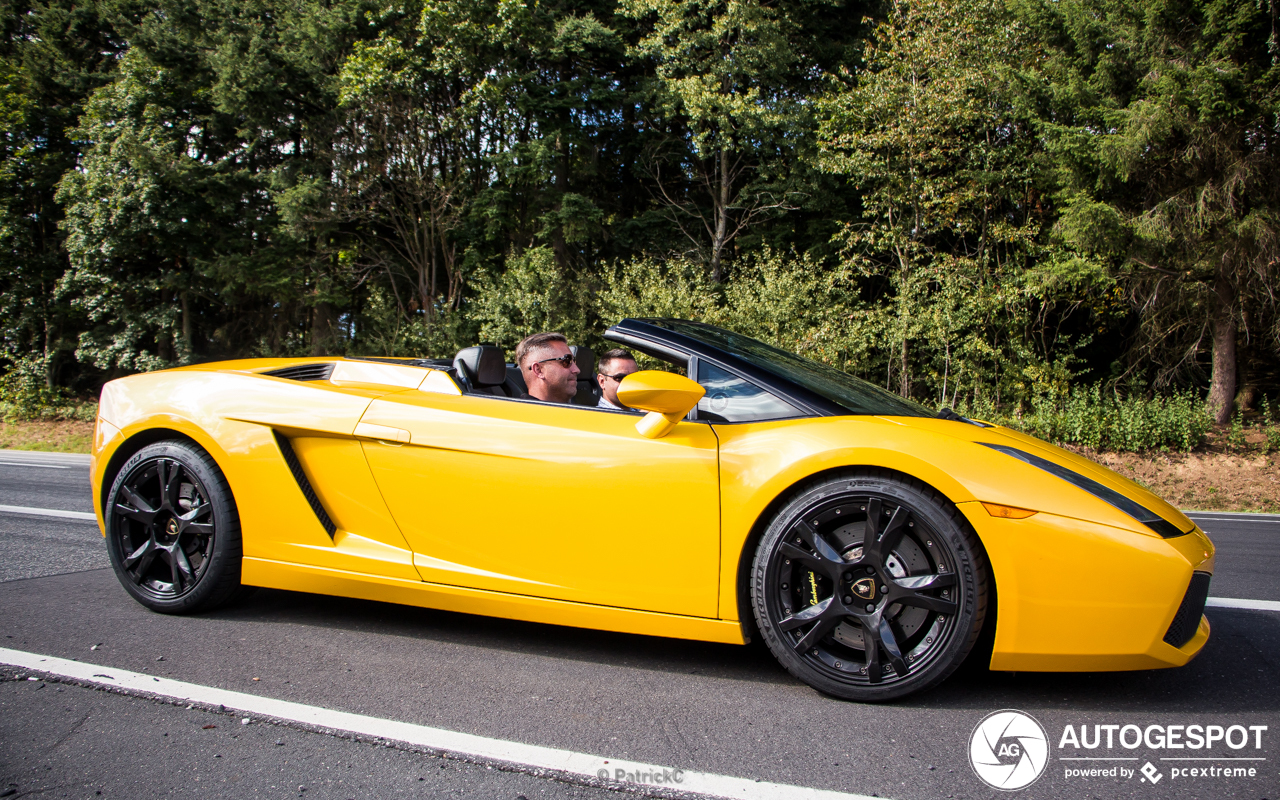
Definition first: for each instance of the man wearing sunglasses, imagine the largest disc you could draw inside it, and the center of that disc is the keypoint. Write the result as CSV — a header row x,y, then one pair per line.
x,y
614,365
547,365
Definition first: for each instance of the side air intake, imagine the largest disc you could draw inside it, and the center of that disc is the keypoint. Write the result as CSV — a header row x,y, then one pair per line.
x,y
303,372
295,466
1187,620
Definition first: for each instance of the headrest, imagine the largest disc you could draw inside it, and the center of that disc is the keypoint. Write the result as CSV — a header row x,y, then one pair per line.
x,y
484,364
585,358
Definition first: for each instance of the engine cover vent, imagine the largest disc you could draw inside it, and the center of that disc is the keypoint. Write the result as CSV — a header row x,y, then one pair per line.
x,y
303,372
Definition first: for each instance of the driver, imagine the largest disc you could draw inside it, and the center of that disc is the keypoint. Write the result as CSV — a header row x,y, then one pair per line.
x,y
613,366
547,365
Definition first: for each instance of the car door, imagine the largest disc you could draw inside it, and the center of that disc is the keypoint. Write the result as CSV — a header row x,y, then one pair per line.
x,y
550,500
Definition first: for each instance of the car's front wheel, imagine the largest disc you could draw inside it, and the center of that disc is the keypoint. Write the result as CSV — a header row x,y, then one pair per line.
x,y
870,586
173,533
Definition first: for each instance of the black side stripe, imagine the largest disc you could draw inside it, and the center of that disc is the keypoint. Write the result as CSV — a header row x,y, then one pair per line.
x,y
295,466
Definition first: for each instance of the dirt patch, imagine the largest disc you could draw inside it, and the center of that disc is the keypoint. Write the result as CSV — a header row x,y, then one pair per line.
x,y
66,436
1203,481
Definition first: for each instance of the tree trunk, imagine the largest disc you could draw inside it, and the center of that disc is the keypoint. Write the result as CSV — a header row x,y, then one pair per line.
x,y
164,338
49,354
188,340
322,319
1222,386
721,212
904,379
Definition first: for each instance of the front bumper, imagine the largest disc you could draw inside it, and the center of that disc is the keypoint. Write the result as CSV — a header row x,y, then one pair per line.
x,y
1078,596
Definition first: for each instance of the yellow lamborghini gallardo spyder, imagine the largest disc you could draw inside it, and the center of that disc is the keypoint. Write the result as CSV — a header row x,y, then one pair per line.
x,y
864,537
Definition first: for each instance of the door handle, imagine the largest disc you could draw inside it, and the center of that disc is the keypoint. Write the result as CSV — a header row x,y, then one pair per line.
x,y
382,433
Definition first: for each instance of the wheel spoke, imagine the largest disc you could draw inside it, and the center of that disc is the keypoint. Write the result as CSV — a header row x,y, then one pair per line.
x,y
142,558
189,526
147,547
927,602
804,616
180,568
196,512
825,624
829,557
871,645
873,525
889,642
145,517
793,552
921,582
141,511
170,484
893,532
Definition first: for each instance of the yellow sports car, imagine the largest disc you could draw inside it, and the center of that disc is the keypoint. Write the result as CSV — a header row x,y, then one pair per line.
x,y
864,537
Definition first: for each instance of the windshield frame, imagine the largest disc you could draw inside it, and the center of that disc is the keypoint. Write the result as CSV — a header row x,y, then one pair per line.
x,y
765,365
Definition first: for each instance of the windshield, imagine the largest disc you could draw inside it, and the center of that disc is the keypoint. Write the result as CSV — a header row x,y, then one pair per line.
x,y
853,394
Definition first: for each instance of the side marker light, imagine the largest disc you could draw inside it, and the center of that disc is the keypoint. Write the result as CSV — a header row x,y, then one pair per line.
x,y
1007,512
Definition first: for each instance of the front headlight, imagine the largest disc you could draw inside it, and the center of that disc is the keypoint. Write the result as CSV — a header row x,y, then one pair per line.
x,y
1149,518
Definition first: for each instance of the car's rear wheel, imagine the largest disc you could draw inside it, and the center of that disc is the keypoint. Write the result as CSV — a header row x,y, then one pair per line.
x,y
173,533
870,586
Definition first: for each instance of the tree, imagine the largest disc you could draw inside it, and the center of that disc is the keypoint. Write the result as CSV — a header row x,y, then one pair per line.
x,y
52,56
934,132
725,71
1163,121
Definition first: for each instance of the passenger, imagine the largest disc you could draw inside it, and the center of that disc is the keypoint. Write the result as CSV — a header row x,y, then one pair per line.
x,y
613,367
547,365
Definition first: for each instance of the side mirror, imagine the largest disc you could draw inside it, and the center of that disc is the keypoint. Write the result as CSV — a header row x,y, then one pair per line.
x,y
666,396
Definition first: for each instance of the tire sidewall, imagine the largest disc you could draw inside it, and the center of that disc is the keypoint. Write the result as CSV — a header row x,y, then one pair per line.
x,y
930,509
224,561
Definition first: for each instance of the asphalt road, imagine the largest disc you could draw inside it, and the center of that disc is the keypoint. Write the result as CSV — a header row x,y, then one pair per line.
x,y
715,708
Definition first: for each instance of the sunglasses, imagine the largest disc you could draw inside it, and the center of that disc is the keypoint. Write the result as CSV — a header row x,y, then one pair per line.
x,y
563,361
617,377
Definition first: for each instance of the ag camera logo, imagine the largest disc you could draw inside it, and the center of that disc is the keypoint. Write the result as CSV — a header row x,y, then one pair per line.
x,y
1008,750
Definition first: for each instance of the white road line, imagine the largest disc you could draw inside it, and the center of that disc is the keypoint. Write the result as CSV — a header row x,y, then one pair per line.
x,y
578,767
50,512
1252,605
40,457
32,464
1231,516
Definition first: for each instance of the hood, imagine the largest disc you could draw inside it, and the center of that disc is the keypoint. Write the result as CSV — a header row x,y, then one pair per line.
x,y
1075,484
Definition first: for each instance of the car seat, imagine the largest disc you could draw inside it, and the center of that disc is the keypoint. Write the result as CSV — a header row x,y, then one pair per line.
x,y
588,387
481,370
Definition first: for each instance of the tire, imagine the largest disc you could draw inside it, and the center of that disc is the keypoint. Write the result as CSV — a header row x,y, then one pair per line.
x,y
915,589
173,532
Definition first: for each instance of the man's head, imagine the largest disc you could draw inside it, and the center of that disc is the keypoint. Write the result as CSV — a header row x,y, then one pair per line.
x,y
547,365
613,366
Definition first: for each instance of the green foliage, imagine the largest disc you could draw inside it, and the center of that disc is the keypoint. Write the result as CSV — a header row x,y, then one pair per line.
x,y
1161,118
382,330
1235,434
648,287
24,393
1099,420
953,243
532,295
1269,427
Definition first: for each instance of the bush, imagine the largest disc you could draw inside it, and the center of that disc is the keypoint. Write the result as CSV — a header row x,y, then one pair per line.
x,y
1088,417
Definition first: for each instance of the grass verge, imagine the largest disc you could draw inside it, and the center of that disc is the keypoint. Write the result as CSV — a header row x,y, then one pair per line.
x,y
52,436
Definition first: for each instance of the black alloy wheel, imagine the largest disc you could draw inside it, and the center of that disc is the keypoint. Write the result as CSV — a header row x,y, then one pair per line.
x,y
173,534
870,586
